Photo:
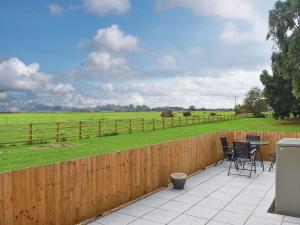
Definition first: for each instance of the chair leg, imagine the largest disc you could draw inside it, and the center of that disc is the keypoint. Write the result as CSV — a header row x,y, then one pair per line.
x,y
230,167
261,160
223,159
272,164
236,164
251,170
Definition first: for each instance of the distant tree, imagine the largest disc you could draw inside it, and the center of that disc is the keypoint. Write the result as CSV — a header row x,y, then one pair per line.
x,y
254,102
240,109
192,108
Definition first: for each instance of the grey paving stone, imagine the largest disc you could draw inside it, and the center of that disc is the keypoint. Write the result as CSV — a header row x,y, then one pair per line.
x,y
188,220
291,219
231,218
136,210
202,212
116,218
144,222
254,220
160,216
153,201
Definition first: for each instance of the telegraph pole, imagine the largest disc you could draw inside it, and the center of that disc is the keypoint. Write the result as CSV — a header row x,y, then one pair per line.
x,y
235,97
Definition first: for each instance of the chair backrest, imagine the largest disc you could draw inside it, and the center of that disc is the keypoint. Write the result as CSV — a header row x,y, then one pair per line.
x,y
242,149
224,143
253,137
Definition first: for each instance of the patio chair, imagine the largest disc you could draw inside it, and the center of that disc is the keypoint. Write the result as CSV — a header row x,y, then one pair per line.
x,y
243,154
227,149
253,138
273,156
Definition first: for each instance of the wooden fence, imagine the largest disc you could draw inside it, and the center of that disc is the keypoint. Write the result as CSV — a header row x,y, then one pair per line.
x,y
84,129
70,192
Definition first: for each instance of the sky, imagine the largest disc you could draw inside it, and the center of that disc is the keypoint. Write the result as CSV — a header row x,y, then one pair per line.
x,y
84,53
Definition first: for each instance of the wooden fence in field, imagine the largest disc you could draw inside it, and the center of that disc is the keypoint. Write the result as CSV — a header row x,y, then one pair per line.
x,y
70,192
84,129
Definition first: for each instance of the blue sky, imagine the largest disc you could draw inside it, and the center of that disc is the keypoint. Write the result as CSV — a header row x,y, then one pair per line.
x,y
155,52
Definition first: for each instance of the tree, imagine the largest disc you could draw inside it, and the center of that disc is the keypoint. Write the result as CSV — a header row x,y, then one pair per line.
x,y
284,31
240,109
278,93
192,108
254,102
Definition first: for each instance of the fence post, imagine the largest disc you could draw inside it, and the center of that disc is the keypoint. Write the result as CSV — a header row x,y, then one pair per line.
x,y
142,124
99,128
116,126
130,126
179,121
80,130
153,123
172,120
193,120
30,134
57,132
163,122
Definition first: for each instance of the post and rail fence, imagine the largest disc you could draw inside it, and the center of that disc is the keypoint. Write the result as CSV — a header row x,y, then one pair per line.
x,y
33,133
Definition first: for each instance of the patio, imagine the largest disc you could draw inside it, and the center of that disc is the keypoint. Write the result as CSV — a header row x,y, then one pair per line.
x,y
210,197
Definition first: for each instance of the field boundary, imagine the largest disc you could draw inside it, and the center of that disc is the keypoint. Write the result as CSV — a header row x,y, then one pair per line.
x,y
41,133
69,192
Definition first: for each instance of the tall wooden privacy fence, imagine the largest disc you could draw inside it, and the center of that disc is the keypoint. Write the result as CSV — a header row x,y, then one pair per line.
x,y
69,192
74,130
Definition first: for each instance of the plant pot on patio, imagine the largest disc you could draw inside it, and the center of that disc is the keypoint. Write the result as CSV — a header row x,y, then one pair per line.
x,y
178,180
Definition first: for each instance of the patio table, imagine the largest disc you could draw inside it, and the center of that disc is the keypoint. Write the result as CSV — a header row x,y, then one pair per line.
x,y
257,145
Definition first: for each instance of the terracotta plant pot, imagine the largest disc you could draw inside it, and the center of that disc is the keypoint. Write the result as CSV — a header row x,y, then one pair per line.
x,y
178,180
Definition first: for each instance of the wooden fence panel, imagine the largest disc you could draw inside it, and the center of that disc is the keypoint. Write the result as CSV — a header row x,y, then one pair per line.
x,y
69,192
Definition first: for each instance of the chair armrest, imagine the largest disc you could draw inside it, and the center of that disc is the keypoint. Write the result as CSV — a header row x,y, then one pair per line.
x,y
253,151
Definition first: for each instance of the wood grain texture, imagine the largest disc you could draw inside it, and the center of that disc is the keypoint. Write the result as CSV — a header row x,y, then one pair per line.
x,y
70,192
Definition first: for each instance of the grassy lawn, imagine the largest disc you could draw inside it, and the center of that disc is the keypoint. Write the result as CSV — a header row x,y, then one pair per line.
x,y
8,118
20,156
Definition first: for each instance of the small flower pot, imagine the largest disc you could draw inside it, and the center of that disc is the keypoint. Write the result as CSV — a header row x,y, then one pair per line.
x,y
178,180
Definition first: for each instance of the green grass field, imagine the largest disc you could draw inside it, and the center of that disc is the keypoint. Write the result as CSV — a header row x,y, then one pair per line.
x,y
11,118
20,156
55,127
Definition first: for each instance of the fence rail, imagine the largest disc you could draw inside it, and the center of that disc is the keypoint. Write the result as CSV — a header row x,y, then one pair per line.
x,y
77,130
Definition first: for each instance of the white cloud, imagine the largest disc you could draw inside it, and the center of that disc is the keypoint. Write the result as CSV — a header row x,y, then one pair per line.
x,y
167,60
109,88
114,39
106,7
232,34
3,95
194,51
254,27
55,9
16,76
233,9
104,63
108,59
211,91
136,99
